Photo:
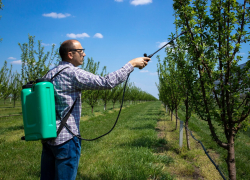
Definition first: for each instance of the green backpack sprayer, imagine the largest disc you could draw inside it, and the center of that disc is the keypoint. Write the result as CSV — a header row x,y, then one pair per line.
x,y
38,107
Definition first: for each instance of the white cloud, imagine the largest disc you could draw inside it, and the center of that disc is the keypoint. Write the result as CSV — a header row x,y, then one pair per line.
x,y
16,62
74,36
44,44
140,2
161,44
143,71
119,0
98,35
12,58
150,73
57,15
154,74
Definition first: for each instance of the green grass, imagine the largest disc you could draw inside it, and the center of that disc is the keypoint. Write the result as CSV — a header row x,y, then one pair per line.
x,y
242,145
128,152
7,108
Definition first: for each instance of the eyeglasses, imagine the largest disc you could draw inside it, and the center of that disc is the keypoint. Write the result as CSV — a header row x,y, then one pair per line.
x,y
81,51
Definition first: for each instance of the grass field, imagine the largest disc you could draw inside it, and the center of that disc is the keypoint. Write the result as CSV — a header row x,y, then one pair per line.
x,y
143,145
129,152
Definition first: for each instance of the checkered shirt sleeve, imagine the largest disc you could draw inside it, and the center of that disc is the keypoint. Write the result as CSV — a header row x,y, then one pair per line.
x,y
68,86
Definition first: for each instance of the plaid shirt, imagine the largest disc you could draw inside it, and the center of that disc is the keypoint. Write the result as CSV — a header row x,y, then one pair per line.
x,y
68,86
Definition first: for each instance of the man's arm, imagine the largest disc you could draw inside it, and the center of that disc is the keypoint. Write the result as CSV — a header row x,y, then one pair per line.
x,y
87,81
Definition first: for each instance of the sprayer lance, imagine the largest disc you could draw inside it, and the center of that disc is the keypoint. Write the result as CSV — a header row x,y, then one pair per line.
x,y
145,54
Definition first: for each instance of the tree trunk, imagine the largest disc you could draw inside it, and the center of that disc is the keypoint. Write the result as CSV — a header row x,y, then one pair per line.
x,y
186,122
14,101
231,159
92,109
176,118
187,136
104,106
171,116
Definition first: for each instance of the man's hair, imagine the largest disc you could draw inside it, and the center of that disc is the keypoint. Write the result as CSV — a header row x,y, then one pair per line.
x,y
65,47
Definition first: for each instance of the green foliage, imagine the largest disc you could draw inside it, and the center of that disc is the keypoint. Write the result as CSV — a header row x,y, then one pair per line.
x,y
213,41
169,80
116,93
16,86
5,81
34,62
219,87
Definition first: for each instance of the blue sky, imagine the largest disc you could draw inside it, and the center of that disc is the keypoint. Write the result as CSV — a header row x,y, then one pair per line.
x,y
112,31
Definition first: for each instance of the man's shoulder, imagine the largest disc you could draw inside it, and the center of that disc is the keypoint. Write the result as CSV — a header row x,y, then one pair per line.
x,y
65,67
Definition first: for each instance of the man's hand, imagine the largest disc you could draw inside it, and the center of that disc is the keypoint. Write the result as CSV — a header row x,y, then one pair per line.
x,y
140,62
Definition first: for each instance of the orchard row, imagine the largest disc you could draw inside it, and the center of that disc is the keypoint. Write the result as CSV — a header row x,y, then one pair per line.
x,y
202,72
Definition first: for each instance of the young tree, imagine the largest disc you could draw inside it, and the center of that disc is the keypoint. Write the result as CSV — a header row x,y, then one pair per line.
x,y
164,86
172,76
35,63
15,87
116,93
127,95
5,78
215,34
184,78
105,95
134,92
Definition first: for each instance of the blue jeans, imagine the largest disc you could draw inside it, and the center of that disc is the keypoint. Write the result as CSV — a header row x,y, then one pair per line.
x,y
60,162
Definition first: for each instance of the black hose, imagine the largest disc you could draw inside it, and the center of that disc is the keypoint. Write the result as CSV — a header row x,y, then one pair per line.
x,y
124,89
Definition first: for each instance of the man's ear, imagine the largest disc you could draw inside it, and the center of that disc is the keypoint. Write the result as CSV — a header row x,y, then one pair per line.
x,y
70,55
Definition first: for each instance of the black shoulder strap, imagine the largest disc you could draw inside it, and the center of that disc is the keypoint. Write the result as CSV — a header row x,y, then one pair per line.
x,y
58,73
63,122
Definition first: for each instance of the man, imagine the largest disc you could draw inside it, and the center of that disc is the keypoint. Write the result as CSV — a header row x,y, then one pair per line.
x,y
60,156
